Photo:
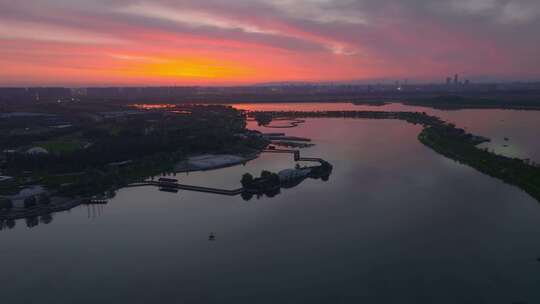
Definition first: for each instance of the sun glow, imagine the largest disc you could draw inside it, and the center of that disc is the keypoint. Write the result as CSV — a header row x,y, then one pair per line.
x,y
190,68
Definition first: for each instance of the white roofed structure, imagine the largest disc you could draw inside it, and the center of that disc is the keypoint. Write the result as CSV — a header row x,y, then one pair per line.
x,y
37,150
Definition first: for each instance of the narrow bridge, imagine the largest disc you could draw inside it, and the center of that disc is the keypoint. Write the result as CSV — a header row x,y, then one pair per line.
x,y
168,185
171,185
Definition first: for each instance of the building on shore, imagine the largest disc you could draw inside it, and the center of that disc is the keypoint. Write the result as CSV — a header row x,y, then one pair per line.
x,y
37,151
26,197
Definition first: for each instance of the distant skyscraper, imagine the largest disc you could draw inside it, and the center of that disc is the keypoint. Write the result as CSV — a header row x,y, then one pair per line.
x,y
448,80
456,79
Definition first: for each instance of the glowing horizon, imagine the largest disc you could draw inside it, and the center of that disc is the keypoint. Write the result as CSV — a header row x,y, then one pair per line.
x,y
129,42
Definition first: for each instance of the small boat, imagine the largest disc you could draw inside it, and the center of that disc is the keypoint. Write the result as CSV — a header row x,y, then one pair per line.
x,y
211,237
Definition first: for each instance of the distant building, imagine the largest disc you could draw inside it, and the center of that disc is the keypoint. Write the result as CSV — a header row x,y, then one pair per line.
x,y
456,79
21,95
37,150
103,93
448,81
31,193
50,93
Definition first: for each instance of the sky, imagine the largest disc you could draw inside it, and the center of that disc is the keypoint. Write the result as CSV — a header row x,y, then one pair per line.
x,y
232,42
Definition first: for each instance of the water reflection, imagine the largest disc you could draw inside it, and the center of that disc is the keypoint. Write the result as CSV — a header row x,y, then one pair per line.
x,y
398,223
44,215
7,224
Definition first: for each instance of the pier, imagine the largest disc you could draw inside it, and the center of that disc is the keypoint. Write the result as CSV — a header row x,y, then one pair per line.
x,y
172,185
178,186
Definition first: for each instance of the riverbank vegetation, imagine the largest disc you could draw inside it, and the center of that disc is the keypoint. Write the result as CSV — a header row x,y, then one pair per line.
x,y
459,147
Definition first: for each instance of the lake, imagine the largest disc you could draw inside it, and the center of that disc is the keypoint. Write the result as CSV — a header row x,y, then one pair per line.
x,y
395,223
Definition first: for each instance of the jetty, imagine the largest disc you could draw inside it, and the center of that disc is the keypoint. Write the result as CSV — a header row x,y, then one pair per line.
x,y
173,185
178,186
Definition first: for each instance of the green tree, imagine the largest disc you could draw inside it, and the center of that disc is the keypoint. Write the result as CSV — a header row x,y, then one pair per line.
x,y
266,174
247,180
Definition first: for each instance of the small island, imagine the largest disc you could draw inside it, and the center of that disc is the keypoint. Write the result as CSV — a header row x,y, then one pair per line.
x,y
270,183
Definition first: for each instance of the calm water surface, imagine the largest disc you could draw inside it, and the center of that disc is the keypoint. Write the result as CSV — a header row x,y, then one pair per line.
x,y
396,223
518,127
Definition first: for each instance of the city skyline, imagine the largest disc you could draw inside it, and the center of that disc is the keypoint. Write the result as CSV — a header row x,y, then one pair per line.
x,y
137,43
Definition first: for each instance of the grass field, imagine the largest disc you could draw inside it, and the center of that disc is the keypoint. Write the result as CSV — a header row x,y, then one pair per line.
x,y
60,146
